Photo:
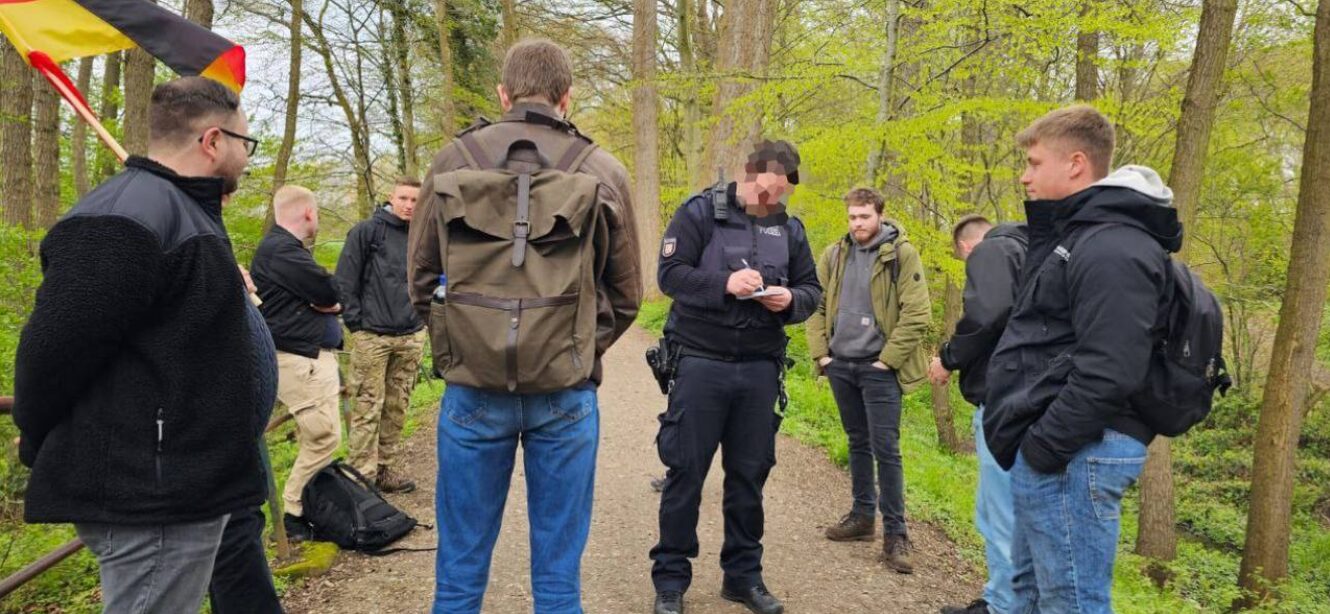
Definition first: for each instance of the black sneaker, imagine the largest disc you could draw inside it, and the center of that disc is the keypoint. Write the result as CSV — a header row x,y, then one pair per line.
x,y
669,602
757,599
978,606
297,529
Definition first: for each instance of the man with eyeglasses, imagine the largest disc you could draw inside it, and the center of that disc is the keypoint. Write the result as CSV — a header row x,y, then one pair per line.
x,y
144,376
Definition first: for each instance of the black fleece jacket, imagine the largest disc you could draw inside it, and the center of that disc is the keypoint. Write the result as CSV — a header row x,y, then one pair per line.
x,y
992,278
144,376
291,284
1081,332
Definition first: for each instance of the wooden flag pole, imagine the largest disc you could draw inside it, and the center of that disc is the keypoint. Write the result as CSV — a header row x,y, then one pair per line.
x,y
60,81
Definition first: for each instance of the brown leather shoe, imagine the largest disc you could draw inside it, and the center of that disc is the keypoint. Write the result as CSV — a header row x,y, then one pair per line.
x,y
896,553
392,481
852,527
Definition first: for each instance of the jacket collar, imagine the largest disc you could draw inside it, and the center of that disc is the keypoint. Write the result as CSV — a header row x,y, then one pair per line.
x,y
385,213
285,234
206,191
538,113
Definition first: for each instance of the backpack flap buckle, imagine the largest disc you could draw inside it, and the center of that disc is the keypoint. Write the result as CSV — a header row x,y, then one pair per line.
x,y
522,225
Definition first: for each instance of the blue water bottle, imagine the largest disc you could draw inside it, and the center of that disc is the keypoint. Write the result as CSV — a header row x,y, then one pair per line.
x,y
441,292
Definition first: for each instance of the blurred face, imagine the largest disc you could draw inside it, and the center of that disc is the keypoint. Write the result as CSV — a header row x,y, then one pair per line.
x,y
762,193
865,222
1053,171
403,201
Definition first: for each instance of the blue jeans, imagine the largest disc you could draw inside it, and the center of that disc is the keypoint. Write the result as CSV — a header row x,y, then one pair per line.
x,y
993,516
479,431
154,568
1067,527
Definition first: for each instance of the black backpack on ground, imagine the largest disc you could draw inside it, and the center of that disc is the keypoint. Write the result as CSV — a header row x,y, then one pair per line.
x,y
345,508
1187,364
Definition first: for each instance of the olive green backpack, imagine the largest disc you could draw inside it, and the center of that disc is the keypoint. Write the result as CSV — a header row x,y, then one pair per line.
x,y
518,249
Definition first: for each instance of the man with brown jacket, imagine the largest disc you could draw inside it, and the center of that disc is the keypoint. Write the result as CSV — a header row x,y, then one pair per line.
x,y
867,338
481,423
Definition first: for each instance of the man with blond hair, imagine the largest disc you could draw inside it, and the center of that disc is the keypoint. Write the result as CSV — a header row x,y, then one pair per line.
x,y
300,303
481,423
1058,413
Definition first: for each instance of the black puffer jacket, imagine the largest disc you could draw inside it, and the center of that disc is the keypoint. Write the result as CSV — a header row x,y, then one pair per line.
x,y
371,274
992,278
144,377
1081,332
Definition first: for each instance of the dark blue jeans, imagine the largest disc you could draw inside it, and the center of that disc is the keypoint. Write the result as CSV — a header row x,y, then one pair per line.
x,y
1066,536
479,432
869,399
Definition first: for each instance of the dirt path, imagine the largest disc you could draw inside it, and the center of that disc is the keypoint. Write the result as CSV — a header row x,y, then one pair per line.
x,y
804,494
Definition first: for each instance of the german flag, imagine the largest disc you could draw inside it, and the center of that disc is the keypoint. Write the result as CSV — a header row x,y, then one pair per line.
x,y
68,29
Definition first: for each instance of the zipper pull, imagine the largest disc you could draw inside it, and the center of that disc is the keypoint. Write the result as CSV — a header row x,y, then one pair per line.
x,y
160,421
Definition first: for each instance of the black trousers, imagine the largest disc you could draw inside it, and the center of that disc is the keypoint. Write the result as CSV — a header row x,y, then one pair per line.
x,y
730,405
241,581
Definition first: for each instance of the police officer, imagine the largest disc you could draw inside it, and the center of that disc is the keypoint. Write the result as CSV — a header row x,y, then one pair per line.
x,y
739,270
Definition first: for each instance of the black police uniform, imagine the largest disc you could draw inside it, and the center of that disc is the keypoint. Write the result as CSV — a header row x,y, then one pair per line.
x,y
728,376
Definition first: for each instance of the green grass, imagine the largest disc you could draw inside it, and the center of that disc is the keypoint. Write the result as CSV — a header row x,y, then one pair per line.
x,y
1211,467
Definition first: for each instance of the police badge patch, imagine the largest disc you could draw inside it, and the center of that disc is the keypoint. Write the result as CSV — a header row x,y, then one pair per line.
x,y
667,247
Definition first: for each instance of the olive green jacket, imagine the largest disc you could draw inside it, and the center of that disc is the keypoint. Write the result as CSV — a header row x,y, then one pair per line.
x,y
902,309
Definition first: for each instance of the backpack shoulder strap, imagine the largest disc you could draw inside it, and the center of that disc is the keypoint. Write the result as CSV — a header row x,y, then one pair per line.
x,y
577,153
473,152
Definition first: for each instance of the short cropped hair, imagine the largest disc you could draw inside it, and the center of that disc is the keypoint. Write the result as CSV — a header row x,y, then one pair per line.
x,y
537,68
859,197
180,107
966,226
1081,127
290,194
406,181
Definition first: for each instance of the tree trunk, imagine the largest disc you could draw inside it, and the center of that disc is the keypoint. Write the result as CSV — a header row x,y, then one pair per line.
x,y
283,163
646,150
1157,537
509,32
411,162
78,138
447,110
46,151
886,81
942,414
199,12
1087,51
139,67
692,109
391,83
1265,556
110,109
16,138
744,49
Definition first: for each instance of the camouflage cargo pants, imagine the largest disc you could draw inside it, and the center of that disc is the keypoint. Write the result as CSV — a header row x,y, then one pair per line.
x,y
383,374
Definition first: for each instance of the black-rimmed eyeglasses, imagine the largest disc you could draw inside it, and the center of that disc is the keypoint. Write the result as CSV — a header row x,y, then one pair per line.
x,y
251,143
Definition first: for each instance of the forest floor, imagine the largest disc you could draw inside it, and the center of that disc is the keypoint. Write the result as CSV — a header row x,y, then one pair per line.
x,y
805,493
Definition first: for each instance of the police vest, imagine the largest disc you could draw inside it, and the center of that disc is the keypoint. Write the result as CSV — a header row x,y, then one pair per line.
x,y
740,241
